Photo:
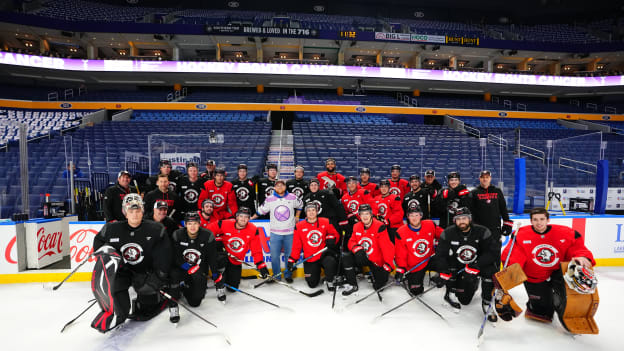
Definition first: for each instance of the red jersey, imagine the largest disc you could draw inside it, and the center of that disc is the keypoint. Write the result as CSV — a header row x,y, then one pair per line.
x,y
352,202
541,254
399,187
389,208
413,246
312,237
238,241
205,222
223,197
375,241
338,179
371,187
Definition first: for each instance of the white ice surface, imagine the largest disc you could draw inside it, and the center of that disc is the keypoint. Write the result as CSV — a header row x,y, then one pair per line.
x,y
32,316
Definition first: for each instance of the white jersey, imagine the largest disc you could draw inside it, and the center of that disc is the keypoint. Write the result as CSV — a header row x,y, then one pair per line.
x,y
282,211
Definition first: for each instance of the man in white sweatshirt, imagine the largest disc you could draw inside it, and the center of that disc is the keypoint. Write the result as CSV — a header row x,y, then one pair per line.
x,y
284,209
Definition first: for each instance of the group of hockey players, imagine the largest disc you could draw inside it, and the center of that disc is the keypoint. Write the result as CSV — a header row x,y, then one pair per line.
x,y
342,226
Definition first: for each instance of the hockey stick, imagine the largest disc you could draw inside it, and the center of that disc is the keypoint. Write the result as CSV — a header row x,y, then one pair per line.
x,y
424,303
274,276
390,283
81,313
136,185
252,296
338,270
373,281
480,336
170,298
403,303
72,272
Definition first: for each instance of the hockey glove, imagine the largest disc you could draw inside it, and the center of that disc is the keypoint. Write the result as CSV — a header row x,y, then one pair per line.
x,y
361,259
387,267
472,268
290,266
446,276
189,269
264,271
330,242
398,276
507,228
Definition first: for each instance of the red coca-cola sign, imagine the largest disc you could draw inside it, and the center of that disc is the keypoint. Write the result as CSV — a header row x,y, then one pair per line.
x,y
83,247
7,251
48,243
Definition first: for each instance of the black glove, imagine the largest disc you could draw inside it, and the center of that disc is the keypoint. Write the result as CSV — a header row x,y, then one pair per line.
x,y
361,259
290,266
398,276
438,281
153,283
331,242
507,228
264,271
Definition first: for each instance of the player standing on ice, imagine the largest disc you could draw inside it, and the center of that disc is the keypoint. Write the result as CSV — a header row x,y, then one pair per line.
x,y
465,253
164,193
194,255
416,197
209,173
266,185
332,180
387,208
414,246
398,186
284,209
220,192
351,200
327,204
164,167
365,183
189,187
133,253
244,188
369,246
298,185
451,198
312,235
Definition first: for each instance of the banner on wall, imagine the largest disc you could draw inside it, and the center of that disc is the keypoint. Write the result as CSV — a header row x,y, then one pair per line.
x,y
8,245
44,242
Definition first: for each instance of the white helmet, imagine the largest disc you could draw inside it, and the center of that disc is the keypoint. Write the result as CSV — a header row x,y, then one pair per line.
x,y
130,201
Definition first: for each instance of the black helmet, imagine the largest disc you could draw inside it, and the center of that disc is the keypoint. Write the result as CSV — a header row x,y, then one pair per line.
x,y
365,170
310,204
351,179
365,208
207,201
452,175
241,166
192,216
414,177
191,164
385,182
271,166
395,166
414,209
462,211
220,170
330,159
315,180
244,211
164,163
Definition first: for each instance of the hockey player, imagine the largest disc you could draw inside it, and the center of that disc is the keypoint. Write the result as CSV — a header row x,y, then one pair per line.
x,y
244,188
327,204
465,252
164,167
209,173
366,184
451,198
351,200
284,209
388,209
206,214
189,188
312,235
332,180
114,195
298,185
136,253
488,207
220,192
265,185
398,186
369,246
163,192
194,254
431,187
416,197
539,250
414,246
238,236
159,215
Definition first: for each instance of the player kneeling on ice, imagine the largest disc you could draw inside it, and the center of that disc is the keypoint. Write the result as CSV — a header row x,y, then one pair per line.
x,y
136,253
312,235
370,246
540,258
194,253
465,253
414,248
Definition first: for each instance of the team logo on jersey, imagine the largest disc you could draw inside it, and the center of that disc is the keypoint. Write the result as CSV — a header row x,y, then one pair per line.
x,y
353,206
132,253
236,244
282,213
413,203
545,255
190,196
297,191
420,248
268,191
395,191
315,238
367,245
383,209
319,209
466,254
242,194
218,199
192,256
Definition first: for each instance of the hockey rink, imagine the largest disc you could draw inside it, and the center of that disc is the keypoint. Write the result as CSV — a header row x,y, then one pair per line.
x,y
33,315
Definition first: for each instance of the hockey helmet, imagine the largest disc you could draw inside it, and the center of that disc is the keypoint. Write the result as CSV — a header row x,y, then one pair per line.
x,y
191,164
365,170
365,208
395,167
351,179
485,172
311,204
315,180
192,217
330,159
241,166
384,182
299,167
271,166
462,212
243,211
132,201
452,175
164,163
414,177
414,209
220,170
207,201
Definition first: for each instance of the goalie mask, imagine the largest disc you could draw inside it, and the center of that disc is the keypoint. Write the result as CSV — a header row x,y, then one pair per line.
x,y
132,201
580,279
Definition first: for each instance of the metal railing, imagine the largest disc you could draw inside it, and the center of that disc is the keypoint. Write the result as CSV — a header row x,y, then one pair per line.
x,y
579,167
497,140
532,152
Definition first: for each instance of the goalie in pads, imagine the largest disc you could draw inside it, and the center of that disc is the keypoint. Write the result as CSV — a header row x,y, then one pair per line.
x,y
556,269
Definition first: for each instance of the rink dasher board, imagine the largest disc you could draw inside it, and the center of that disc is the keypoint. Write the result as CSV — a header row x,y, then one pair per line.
x,y
603,235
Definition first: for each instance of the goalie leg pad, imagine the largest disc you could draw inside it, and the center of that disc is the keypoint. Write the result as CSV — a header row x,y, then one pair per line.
x,y
509,277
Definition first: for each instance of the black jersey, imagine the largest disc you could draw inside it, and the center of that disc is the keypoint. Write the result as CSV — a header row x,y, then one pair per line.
x,y
199,251
265,189
171,198
150,183
245,191
188,192
447,200
113,197
328,206
144,249
298,187
456,249
419,198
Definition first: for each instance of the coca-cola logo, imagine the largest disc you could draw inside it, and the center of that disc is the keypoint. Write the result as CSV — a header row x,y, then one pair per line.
x,y
83,247
48,242
7,251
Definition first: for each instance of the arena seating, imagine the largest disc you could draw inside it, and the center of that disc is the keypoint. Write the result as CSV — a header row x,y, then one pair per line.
x,y
198,95
121,95
198,116
354,118
76,10
40,122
